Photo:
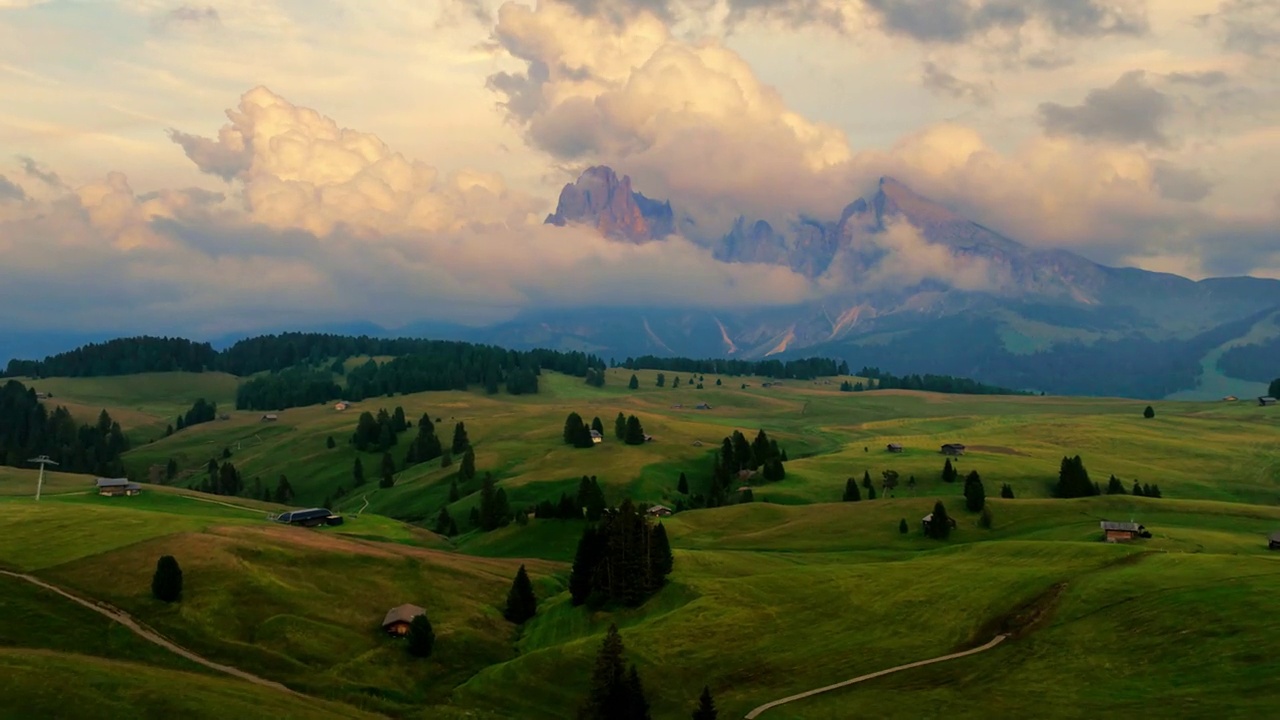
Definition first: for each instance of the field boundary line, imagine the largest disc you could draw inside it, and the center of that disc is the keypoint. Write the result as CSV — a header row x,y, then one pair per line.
x,y
136,628
863,678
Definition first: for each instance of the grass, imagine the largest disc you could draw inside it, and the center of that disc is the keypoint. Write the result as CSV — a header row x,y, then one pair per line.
x,y
767,599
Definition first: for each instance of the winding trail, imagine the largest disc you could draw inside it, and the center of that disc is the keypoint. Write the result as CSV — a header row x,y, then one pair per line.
x,y
862,678
127,620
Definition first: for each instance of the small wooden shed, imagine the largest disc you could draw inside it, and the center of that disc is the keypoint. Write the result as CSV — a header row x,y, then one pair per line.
x,y
894,447
1273,543
658,511
953,449
1121,531
114,487
396,622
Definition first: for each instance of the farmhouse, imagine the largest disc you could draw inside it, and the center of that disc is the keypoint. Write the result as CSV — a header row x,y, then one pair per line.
x,y
703,406
1274,542
43,395
340,406
1266,401
397,621
311,517
1122,531
953,449
894,447
658,511
270,417
112,487
596,437
927,520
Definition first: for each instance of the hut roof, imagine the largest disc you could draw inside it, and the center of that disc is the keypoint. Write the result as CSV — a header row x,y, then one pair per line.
x,y
113,482
1125,526
402,613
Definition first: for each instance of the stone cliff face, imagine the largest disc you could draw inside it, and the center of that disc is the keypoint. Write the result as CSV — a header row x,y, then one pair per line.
x,y
601,199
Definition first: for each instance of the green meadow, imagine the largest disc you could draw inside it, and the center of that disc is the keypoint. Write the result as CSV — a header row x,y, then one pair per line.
x,y
791,592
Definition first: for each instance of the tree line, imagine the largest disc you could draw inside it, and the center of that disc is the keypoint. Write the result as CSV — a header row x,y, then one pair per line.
x,y
28,430
123,356
806,369
622,559
877,379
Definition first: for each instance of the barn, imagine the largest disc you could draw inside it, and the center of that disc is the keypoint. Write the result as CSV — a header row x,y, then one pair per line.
x,y
113,487
397,619
311,517
1122,531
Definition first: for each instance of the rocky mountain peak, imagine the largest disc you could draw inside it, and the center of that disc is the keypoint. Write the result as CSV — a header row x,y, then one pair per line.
x,y
603,200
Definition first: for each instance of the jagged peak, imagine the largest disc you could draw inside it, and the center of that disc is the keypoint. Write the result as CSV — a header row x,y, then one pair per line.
x,y
895,197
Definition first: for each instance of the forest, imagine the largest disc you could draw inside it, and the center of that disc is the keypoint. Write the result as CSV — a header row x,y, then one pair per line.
x,y
28,430
806,369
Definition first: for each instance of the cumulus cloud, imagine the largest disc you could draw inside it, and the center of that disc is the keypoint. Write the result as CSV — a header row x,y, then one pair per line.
x,y
911,259
188,16
1182,184
1249,26
1207,78
34,170
1129,111
327,223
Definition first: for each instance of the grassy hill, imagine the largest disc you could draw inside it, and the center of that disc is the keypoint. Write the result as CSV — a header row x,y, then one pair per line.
x,y
767,598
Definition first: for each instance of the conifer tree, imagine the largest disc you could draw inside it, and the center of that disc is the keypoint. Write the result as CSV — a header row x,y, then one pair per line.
x,y
521,603
284,491
940,523
706,706
660,553
871,493
638,705
851,493
975,496
572,428
1006,491
620,427
468,468
454,495
984,520
460,440
443,522
331,443
682,487
866,479
949,473
166,583
634,383
171,469
662,380
1149,413
1137,489
607,697
446,459
902,526
597,425
422,638
634,432
1114,486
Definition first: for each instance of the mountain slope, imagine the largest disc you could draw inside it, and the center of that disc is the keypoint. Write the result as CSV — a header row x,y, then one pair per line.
x,y
606,202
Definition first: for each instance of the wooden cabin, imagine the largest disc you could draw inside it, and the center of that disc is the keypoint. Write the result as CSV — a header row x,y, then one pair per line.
x,y
658,511
596,437
894,447
1122,531
270,417
115,487
953,449
1266,401
1273,542
927,520
311,517
396,622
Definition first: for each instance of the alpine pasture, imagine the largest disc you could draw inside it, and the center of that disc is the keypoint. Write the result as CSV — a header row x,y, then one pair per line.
x,y
793,591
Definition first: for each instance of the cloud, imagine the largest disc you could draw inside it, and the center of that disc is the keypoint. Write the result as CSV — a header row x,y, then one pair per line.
x,y
34,170
20,4
10,190
1129,111
188,16
1207,78
326,222
1181,184
939,80
1249,26
956,21
911,259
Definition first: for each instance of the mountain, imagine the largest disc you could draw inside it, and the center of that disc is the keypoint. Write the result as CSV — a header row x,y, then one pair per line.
x,y
918,288
606,202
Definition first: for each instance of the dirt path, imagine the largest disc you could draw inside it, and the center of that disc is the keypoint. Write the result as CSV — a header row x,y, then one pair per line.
x,y
125,619
769,706
256,511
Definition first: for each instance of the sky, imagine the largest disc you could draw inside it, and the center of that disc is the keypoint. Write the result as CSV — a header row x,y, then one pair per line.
x,y
214,167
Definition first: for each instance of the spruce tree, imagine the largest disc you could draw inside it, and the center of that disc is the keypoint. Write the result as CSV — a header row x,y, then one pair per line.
x,y
620,427
1006,491
902,526
1114,486
866,479
521,603
443,522
851,493
637,704
949,473
1149,413
660,554
468,468
171,469
331,443
871,493
284,491
454,495
607,697
460,440
662,380
166,583
975,496
634,383
634,432
682,487
572,428
1137,489
597,425
940,523
706,706
422,638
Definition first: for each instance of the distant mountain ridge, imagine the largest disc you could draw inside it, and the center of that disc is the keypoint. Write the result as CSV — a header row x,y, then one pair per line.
x,y
604,201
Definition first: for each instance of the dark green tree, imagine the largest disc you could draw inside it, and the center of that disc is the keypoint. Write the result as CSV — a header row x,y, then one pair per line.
x,y
422,638
682,486
284,491
357,473
985,519
166,583
1006,491
635,432
468,468
398,424
1149,413
940,523
443,522
367,432
662,379
718,381
851,493
1273,390
171,469
633,383
1137,489
866,479
975,496
446,459
1073,479
330,443
226,453
521,603
495,511
902,526
871,493
660,552
572,428
454,495
1114,486
460,440
607,697
597,425
620,427
949,474
706,706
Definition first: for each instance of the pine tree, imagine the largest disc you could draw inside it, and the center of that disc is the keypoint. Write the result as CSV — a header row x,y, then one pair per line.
x,y
398,424
1006,491
660,554
949,473
597,425
634,432
620,427
284,491
940,523
331,443
468,468
607,697
985,519
454,495
443,522
975,496
682,487
662,380
1073,479
521,603
572,428
460,440
717,382
166,583
1154,491
422,638
851,493
706,706
171,469
634,383
1137,489
1114,486
866,479
871,493
637,705
1149,413
902,526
